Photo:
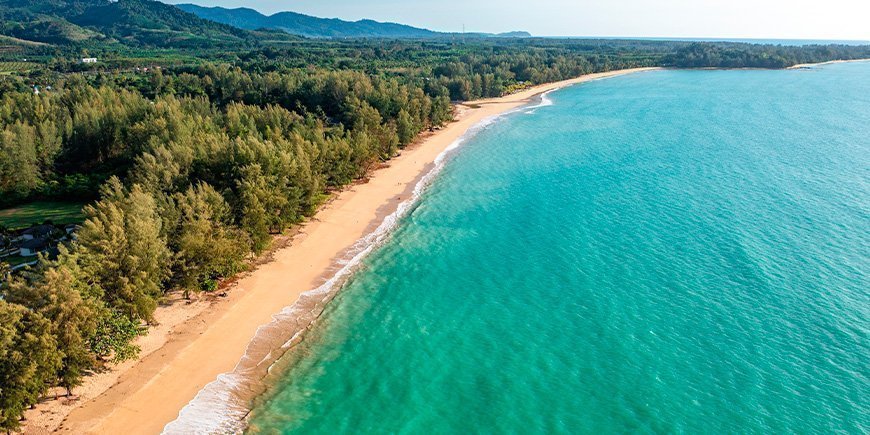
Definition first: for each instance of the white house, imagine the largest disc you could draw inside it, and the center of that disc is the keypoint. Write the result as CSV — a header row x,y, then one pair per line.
x,y
89,60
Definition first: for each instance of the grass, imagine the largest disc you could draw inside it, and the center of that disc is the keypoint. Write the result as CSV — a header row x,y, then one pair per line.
x,y
15,260
16,67
59,213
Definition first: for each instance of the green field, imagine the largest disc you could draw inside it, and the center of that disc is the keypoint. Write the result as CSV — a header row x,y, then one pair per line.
x,y
16,67
15,260
38,212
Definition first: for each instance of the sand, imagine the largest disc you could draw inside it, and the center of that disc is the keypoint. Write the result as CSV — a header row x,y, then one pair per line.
x,y
194,345
811,65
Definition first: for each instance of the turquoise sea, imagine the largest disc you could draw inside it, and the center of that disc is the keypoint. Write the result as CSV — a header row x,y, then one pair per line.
x,y
665,252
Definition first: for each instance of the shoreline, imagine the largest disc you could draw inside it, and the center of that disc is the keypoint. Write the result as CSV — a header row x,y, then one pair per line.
x,y
214,344
830,62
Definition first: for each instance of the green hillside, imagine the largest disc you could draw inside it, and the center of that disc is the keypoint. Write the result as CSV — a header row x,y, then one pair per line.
x,y
137,23
314,27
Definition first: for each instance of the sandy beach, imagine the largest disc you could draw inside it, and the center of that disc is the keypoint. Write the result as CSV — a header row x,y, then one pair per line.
x,y
194,344
811,65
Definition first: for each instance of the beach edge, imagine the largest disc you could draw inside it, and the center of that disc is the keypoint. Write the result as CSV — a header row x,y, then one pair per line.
x,y
154,391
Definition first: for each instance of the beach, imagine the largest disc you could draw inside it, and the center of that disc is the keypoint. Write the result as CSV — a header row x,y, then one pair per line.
x,y
811,65
614,259
201,343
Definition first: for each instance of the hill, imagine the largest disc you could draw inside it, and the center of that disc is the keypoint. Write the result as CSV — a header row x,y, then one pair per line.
x,y
140,23
314,27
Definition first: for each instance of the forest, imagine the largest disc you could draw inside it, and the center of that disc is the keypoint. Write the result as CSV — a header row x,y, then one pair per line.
x,y
191,161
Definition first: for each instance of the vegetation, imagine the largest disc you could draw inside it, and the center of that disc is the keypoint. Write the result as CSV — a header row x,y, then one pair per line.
x,y
304,25
313,27
34,213
129,22
722,55
230,136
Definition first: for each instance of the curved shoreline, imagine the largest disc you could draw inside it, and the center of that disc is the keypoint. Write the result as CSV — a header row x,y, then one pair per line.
x,y
210,346
224,405
813,65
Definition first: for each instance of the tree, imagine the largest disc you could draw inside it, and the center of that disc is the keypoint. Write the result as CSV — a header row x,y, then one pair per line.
x,y
19,162
114,336
57,295
406,128
123,251
29,361
208,245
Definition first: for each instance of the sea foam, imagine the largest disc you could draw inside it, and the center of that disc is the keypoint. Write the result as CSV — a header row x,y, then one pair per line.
x,y
545,102
222,406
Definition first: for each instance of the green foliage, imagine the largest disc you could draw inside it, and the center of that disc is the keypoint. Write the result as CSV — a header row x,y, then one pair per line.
x,y
207,245
114,335
61,297
196,165
28,361
123,251
308,26
59,213
730,55
406,128
144,23
19,162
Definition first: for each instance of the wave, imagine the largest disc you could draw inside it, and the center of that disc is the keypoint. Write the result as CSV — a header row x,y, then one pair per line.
x,y
545,102
222,406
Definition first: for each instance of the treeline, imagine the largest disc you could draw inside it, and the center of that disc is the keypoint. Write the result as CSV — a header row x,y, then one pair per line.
x,y
732,55
191,186
190,170
65,143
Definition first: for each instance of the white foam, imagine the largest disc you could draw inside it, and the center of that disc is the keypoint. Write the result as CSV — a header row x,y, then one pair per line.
x,y
220,407
545,102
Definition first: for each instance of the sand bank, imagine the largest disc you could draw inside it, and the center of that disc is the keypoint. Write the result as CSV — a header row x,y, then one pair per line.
x,y
811,65
148,394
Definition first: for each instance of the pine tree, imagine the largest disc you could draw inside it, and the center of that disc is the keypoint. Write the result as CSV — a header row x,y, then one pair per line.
x,y
208,245
406,128
29,361
59,294
122,249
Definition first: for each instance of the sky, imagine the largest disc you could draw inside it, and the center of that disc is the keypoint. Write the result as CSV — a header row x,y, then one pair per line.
x,y
764,19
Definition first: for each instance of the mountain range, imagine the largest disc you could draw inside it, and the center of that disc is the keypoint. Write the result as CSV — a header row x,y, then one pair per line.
x,y
140,23
314,27
150,23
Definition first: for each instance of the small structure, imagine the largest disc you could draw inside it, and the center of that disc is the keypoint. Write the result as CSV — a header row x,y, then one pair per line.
x,y
37,232
89,60
32,247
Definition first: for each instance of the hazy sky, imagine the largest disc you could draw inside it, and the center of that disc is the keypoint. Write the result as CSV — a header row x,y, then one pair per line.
x,y
774,19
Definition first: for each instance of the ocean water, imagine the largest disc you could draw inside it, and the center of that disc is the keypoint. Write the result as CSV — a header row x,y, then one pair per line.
x,y
665,252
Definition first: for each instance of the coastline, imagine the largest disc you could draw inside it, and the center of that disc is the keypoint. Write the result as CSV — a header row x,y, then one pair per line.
x,y
812,65
209,343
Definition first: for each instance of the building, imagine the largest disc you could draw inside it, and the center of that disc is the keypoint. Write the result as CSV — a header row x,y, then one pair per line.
x,y
89,60
37,232
32,247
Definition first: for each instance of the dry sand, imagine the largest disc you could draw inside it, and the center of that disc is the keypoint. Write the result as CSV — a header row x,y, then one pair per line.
x,y
193,345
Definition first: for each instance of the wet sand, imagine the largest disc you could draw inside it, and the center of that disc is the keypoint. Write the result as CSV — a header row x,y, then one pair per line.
x,y
150,393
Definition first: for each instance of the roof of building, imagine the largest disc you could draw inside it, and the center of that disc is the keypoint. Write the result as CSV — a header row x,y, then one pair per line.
x,y
39,230
35,244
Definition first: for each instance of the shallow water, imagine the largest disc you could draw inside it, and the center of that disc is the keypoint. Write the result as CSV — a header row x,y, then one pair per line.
x,y
673,251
